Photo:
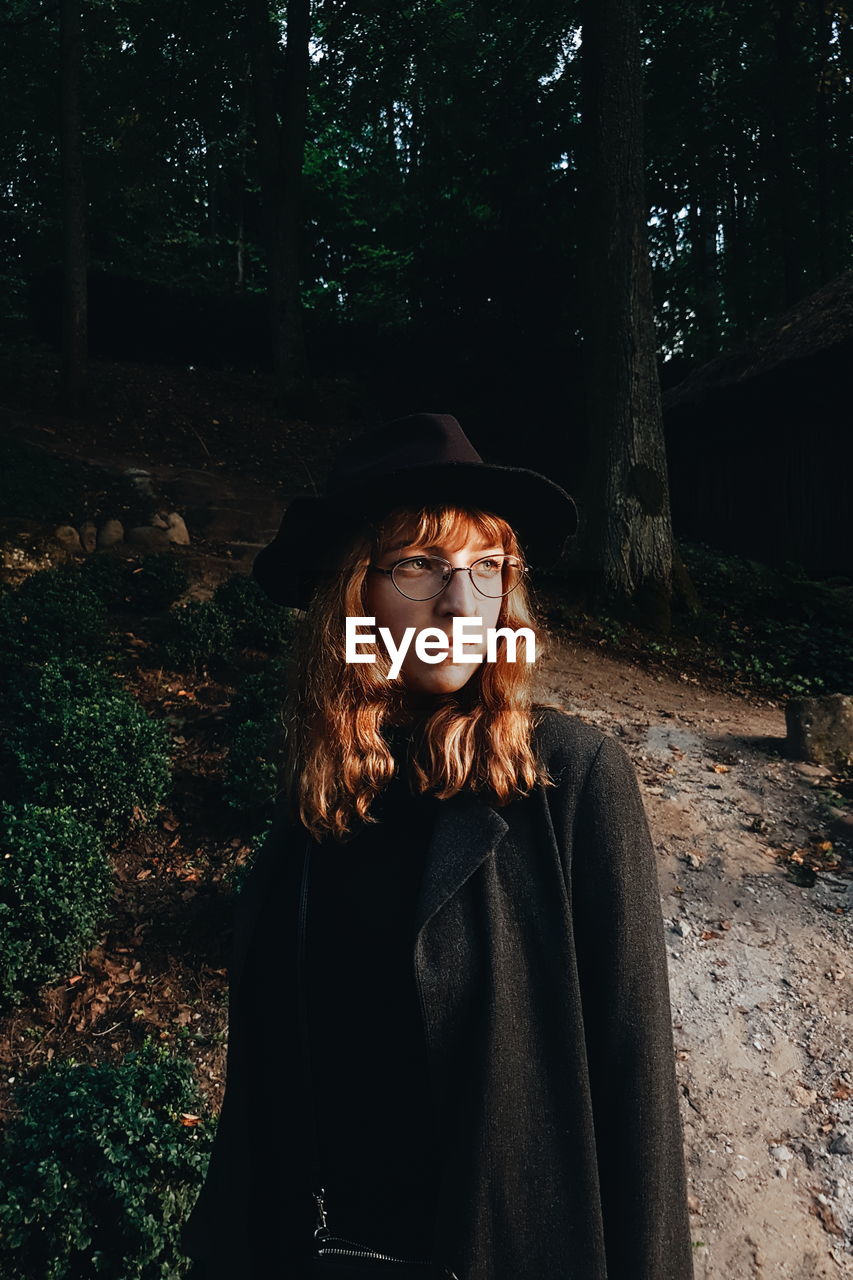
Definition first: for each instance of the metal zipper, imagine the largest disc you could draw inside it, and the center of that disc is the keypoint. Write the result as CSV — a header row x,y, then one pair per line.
x,y
331,1245
333,1248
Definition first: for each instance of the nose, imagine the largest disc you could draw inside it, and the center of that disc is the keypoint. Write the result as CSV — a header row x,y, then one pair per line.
x,y
459,598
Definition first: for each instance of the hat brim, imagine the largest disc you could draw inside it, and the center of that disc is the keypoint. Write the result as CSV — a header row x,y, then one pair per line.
x,y
313,530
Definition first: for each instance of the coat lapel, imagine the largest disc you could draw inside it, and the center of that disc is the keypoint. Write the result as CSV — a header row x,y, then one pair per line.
x,y
466,832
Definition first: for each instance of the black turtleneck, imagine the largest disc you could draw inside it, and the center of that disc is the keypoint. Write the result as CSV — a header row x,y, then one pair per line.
x,y
375,1116
377,1136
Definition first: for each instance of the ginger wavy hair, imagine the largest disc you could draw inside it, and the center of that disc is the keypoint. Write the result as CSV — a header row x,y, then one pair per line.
x,y
480,737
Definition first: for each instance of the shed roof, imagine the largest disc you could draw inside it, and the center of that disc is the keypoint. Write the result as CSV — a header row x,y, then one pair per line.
x,y
814,325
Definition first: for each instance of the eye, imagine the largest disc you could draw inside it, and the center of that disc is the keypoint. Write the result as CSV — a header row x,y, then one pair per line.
x,y
490,564
416,565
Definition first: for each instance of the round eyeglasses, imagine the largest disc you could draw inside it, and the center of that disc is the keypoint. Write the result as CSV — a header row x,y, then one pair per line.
x,y
424,577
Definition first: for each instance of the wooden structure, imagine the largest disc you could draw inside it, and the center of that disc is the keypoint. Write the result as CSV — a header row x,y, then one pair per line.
x,y
760,440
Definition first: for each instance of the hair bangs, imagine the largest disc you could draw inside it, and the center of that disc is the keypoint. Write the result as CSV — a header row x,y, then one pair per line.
x,y
449,525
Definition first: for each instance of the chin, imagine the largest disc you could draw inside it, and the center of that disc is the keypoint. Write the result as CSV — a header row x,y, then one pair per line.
x,y
439,680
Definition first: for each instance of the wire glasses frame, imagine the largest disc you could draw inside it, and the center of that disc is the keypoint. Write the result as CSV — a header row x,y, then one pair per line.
x,y
397,573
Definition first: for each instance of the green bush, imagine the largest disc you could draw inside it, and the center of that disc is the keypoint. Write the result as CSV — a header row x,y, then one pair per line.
x,y
256,737
155,582
52,612
256,620
148,583
773,629
199,633
235,877
260,695
54,892
252,769
78,738
98,1172
105,573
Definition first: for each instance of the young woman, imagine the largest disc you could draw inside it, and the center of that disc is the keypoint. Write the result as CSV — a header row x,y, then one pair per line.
x,y
450,1048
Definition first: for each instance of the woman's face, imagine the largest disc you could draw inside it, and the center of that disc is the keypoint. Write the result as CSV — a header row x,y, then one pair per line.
x,y
459,599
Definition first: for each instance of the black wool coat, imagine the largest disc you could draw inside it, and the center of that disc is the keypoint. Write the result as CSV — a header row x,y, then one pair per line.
x,y
540,960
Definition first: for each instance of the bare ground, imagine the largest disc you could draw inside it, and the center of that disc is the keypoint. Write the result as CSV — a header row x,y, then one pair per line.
x,y
759,964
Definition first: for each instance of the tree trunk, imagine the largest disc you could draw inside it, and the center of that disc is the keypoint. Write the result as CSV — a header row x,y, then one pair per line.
x,y
281,148
626,540
74,303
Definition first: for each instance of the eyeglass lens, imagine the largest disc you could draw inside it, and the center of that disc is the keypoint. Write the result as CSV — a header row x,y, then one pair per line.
x,y
421,577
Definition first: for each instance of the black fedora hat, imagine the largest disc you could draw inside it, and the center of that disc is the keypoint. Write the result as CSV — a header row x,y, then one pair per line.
x,y
419,460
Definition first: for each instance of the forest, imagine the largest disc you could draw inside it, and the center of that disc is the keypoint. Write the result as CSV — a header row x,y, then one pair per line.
x,y
614,238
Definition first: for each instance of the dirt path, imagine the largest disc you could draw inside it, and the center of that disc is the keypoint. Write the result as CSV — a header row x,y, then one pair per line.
x,y
759,967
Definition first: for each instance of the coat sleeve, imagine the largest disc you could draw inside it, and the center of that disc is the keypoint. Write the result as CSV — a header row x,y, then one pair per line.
x,y
622,968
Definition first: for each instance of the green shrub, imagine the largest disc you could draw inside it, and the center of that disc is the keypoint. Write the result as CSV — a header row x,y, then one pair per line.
x,y
257,621
54,891
149,583
770,628
155,582
78,738
260,695
256,737
199,633
235,878
98,1171
105,573
52,612
253,766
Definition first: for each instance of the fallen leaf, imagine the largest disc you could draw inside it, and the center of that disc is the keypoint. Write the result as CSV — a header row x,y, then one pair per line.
x,y
827,1217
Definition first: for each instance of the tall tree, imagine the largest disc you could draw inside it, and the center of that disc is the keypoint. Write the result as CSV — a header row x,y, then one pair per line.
x,y
281,99
783,159
74,312
823,186
627,537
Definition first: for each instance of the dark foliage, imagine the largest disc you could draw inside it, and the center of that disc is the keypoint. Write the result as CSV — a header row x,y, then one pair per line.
x,y
100,1168
54,891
